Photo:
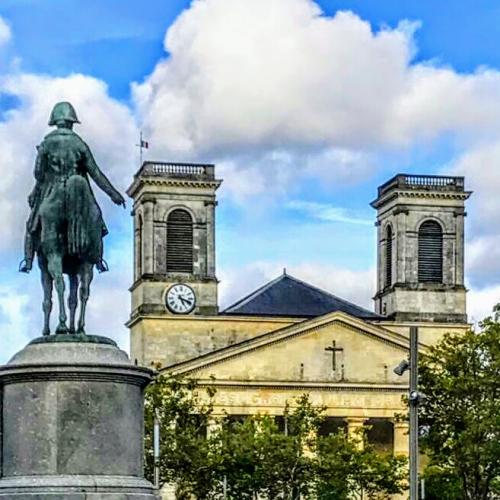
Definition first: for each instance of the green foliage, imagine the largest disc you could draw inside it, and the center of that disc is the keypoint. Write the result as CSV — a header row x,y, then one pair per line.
x,y
461,412
352,469
442,483
258,458
187,456
254,457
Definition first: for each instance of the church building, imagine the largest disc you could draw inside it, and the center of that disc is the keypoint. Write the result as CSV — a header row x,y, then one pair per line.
x,y
289,337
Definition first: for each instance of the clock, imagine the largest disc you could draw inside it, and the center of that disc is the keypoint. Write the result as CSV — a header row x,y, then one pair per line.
x,y
180,299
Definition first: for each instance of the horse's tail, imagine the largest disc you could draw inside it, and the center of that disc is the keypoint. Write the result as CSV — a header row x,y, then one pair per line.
x,y
78,215
77,237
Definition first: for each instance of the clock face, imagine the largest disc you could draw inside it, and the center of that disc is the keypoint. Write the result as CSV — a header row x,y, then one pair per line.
x,y
180,299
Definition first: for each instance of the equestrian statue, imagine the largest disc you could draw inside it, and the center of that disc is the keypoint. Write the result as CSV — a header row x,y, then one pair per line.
x,y
65,227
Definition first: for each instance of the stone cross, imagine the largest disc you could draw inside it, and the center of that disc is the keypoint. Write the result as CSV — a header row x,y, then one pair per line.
x,y
334,350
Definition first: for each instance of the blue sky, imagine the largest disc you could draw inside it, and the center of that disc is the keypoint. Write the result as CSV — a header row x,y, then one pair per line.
x,y
304,118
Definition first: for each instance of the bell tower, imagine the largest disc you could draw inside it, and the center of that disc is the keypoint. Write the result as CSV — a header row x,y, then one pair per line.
x,y
174,240
420,258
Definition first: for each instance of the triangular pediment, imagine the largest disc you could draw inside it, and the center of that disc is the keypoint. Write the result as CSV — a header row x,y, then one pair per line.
x,y
333,348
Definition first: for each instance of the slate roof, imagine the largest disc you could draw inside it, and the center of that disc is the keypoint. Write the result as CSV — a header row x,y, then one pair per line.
x,y
289,297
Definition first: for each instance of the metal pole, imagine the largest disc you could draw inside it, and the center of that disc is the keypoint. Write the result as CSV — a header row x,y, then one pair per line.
x,y
156,450
140,149
413,402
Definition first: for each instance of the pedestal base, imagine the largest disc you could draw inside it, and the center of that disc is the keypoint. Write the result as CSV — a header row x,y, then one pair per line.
x,y
72,422
76,488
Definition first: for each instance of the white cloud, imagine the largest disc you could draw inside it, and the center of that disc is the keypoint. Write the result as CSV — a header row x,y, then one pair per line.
x,y
436,100
109,306
15,319
275,93
282,171
353,285
480,302
480,166
273,74
5,32
328,213
266,73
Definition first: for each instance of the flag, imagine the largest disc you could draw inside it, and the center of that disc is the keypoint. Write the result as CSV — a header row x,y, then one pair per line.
x,y
144,144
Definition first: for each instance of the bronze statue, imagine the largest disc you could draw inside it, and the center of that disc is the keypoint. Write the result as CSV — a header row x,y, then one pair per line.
x,y
65,227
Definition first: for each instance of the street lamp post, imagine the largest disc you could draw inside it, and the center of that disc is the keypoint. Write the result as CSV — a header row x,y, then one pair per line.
x,y
156,450
413,402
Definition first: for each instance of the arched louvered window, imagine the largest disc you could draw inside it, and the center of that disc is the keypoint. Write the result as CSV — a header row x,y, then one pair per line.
x,y
388,256
179,242
430,252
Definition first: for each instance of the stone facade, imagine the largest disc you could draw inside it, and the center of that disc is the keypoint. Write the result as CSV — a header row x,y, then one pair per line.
x,y
166,339
403,204
157,190
259,364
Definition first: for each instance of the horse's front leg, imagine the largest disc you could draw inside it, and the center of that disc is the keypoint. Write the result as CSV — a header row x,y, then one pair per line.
x,y
56,271
86,275
72,300
47,295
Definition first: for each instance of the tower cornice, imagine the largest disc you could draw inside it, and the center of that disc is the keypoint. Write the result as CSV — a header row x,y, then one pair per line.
x,y
444,195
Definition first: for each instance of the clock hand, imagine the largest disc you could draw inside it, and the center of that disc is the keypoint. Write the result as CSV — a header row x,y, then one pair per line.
x,y
184,301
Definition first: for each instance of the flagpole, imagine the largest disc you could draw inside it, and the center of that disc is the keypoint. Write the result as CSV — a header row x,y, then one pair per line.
x,y
140,149
142,145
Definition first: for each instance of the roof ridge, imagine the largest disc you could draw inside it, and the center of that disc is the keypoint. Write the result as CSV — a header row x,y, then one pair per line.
x,y
326,292
233,308
253,294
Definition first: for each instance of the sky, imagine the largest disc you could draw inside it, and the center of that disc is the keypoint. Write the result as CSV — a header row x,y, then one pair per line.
x,y
305,107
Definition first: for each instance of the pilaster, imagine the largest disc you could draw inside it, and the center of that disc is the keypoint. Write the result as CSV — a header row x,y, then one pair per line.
x,y
148,235
355,427
401,444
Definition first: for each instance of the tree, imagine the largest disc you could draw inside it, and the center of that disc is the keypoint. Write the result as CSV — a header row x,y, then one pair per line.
x,y
260,459
442,483
255,458
460,378
346,470
187,456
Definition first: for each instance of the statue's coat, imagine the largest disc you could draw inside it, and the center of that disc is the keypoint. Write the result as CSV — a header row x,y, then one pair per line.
x,y
63,164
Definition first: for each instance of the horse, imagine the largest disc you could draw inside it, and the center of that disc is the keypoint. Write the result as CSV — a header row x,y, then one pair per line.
x,y
80,275
65,227
69,242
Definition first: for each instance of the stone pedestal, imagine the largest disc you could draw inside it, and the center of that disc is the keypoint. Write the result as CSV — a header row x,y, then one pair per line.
x,y
72,422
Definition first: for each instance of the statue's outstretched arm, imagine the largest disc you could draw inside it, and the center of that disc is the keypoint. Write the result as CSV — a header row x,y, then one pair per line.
x,y
101,180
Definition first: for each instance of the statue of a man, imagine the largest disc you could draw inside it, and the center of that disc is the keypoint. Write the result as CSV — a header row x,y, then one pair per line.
x,y
65,227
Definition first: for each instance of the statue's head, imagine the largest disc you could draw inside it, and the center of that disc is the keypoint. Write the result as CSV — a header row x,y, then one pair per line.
x,y
64,115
